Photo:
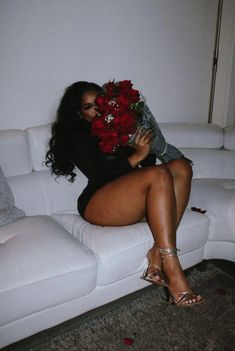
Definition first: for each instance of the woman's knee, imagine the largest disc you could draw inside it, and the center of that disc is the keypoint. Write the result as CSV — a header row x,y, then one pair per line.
x,y
158,175
180,168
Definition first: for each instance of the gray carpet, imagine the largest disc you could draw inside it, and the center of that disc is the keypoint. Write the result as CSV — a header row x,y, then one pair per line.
x,y
143,321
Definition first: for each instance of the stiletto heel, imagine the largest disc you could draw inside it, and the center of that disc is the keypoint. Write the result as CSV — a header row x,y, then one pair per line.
x,y
156,277
182,298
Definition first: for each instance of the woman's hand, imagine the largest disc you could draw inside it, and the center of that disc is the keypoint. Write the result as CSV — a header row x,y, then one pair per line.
x,y
141,146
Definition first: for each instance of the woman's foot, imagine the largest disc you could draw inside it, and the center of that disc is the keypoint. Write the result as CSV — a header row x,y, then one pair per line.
x,y
180,293
153,273
185,298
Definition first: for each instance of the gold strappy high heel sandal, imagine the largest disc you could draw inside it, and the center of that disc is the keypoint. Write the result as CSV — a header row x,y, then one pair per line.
x,y
182,298
155,276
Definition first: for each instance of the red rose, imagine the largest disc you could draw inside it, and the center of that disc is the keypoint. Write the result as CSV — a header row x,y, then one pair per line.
x,y
110,88
124,140
116,122
123,101
97,126
113,138
134,95
125,84
127,123
102,103
107,147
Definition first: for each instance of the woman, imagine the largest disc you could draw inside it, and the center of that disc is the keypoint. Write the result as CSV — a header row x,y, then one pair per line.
x,y
119,191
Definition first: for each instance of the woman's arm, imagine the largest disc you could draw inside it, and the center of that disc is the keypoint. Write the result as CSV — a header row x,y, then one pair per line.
x,y
95,164
141,147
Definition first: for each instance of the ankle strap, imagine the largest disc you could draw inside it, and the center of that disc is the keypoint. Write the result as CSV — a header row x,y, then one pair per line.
x,y
169,250
168,253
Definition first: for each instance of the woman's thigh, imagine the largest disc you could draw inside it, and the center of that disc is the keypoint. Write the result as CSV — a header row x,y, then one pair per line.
x,y
122,201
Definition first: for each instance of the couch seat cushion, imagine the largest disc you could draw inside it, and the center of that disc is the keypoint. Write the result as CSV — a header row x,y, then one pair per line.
x,y
42,265
217,197
121,251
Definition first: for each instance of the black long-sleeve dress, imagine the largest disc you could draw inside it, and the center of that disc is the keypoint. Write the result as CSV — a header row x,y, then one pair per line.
x,y
98,167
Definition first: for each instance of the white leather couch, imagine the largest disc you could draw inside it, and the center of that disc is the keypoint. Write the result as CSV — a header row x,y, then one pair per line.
x,y
55,266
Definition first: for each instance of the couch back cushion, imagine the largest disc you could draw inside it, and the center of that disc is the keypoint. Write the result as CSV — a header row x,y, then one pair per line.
x,y
14,152
28,193
41,193
229,138
193,135
38,139
203,144
60,194
209,163
57,194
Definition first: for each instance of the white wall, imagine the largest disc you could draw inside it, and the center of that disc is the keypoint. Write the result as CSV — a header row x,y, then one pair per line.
x,y
164,46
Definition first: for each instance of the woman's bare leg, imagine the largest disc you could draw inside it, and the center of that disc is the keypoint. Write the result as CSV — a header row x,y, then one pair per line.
x,y
181,173
123,201
126,200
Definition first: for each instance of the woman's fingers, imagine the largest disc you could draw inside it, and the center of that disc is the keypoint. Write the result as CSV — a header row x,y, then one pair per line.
x,y
142,141
144,137
148,135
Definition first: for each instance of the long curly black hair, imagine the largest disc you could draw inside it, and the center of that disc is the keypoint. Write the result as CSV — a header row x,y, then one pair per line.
x,y
66,128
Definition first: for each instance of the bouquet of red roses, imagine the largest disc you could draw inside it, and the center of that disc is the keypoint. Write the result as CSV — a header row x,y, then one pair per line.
x,y
118,107
122,111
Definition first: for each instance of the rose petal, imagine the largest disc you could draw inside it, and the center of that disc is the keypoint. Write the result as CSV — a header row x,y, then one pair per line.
x,y
128,341
198,209
221,291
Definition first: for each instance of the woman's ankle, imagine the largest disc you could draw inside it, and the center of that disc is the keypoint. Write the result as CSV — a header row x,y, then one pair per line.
x,y
175,274
153,256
